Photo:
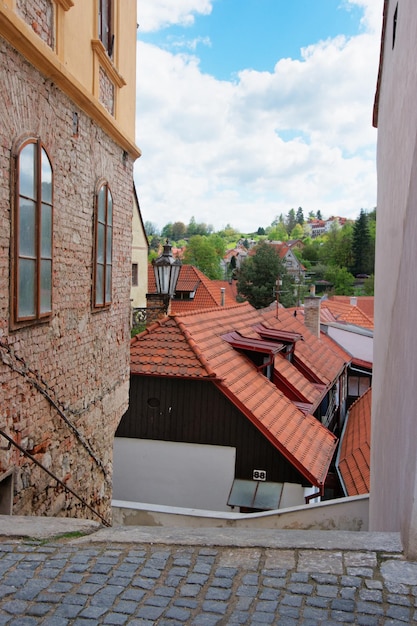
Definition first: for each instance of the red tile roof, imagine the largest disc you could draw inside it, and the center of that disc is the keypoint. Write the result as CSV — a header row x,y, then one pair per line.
x,y
191,345
339,311
364,303
324,363
207,292
355,450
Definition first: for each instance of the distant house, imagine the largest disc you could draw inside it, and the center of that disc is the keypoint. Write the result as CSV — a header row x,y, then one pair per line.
x,y
194,291
364,303
293,265
232,403
316,228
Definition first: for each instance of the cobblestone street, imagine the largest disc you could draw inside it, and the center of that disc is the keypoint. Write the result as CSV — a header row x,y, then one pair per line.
x,y
86,582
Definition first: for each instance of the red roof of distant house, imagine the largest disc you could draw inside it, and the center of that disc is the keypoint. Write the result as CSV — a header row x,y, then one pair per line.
x,y
364,303
191,346
355,450
230,289
207,292
338,311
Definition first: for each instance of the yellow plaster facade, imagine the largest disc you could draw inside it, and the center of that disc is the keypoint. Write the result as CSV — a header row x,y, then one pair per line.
x,y
77,61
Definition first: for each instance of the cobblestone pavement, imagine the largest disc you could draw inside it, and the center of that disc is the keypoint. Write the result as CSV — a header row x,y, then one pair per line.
x,y
60,582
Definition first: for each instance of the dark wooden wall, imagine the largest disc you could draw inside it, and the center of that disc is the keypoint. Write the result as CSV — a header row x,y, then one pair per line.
x,y
197,412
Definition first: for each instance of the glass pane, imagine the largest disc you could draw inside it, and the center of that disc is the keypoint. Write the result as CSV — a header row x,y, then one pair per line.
x,y
26,295
46,286
100,243
27,171
101,208
363,385
99,284
109,208
27,230
108,283
268,495
46,231
108,245
46,177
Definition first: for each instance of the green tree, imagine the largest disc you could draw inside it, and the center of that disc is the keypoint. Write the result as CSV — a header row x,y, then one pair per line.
x,y
219,244
362,250
297,232
178,230
201,252
300,216
342,280
290,221
260,231
368,285
150,229
337,246
277,232
258,275
166,231
319,217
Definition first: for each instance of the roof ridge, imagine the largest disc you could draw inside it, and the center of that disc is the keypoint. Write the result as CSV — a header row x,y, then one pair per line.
x,y
209,310
148,329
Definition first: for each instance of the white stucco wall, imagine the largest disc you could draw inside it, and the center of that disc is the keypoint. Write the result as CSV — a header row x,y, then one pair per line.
x,y
175,474
139,256
393,495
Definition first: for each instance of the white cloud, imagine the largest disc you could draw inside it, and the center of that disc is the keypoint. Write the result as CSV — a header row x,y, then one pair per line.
x,y
216,150
156,14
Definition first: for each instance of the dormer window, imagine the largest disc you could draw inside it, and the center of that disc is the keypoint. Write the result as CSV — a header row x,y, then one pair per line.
x,y
286,337
260,352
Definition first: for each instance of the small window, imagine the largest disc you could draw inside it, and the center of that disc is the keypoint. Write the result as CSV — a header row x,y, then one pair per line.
x,y
105,25
32,275
135,275
103,249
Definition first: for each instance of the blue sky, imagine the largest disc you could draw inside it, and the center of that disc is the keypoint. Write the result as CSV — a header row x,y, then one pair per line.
x,y
241,34
248,108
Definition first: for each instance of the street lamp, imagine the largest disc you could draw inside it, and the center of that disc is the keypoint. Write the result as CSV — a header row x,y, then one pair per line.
x,y
166,270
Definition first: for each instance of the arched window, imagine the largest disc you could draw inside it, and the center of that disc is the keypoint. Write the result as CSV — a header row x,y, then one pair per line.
x,y
102,287
32,286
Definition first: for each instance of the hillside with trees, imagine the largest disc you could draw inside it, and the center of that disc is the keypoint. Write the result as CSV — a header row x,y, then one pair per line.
x,y
339,260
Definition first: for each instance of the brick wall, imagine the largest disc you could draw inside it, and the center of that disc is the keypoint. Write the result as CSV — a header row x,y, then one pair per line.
x,y
64,384
106,91
39,15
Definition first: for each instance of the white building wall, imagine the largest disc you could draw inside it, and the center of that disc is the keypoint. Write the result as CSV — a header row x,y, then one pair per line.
x,y
393,495
173,474
358,345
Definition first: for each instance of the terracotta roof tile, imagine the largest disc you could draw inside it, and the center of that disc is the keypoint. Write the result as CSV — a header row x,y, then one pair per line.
x,y
364,303
355,450
163,350
345,312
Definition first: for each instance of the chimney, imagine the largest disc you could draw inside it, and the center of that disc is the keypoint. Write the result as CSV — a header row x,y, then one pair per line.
x,y
312,314
222,295
354,301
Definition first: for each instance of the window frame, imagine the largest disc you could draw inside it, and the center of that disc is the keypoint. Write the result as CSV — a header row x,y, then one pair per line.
x,y
135,274
106,25
38,256
105,226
